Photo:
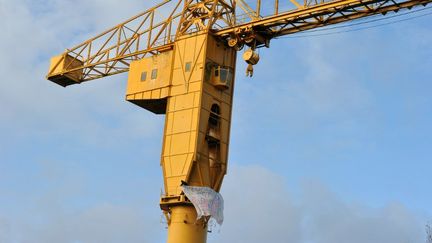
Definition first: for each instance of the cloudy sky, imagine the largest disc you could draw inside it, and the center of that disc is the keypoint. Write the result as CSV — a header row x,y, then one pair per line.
x,y
331,139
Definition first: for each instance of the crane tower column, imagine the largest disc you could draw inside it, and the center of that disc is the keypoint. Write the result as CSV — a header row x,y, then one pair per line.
x,y
193,85
196,137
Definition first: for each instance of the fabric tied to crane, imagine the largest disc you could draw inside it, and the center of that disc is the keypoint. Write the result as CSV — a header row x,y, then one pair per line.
x,y
207,202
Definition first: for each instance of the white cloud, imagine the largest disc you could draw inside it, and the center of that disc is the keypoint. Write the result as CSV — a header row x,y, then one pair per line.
x,y
326,89
94,113
260,207
58,208
103,223
4,231
330,219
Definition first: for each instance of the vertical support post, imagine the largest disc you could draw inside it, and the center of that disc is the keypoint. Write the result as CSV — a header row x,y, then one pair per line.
x,y
150,29
258,11
184,228
276,7
198,116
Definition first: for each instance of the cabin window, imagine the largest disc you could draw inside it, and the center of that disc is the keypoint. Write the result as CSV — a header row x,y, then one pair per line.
x,y
224,74
188,66
230,76
213,133
154,74
143,76
214,115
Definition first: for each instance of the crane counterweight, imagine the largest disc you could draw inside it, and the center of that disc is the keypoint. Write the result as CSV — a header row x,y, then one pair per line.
x,y
58,66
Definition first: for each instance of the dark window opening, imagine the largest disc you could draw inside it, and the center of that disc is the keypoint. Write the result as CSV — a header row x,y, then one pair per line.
x,y
214,115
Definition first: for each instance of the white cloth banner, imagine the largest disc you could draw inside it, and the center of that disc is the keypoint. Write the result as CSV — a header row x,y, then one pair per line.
x,y
207,202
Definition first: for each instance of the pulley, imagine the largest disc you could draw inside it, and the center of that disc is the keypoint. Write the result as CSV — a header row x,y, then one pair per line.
x,y
251,56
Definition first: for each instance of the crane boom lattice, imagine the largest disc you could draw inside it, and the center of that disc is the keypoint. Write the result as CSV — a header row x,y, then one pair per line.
x,y
150,33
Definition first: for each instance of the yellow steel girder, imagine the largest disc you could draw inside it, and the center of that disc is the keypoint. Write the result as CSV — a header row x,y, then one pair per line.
x,y
145,35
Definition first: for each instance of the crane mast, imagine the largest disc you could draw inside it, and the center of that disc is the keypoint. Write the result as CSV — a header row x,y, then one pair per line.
x,y
183,65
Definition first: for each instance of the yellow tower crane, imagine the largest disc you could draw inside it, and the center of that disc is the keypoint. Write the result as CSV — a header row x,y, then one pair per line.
x,y
183,65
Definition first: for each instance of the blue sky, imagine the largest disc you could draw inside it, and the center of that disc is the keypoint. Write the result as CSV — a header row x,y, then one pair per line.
x,y
330,139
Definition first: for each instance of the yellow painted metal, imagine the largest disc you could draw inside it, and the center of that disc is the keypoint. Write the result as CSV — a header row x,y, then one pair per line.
x,y
314,14
197,123
112,51
251,57
205,15
184,228
195,150
193,87
149,82
64,62
183,66
247,9
141,36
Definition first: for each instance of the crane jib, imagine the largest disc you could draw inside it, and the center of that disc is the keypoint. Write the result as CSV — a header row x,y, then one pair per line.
x,y
112,51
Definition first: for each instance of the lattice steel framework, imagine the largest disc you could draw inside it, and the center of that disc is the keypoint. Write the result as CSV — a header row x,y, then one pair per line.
x,y
148,34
